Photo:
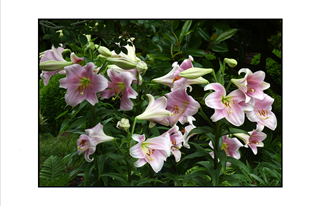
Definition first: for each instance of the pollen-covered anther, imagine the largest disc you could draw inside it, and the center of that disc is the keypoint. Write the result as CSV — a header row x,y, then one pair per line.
x,y
176,78
183,130
83,142
175,109
252,90
263,113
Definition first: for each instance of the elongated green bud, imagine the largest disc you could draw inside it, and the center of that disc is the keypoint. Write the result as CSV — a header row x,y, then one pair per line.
x,y
104,51
52,65
194,73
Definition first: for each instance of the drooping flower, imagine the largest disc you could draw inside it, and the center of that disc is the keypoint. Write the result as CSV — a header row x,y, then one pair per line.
x,y
123,124
230,146
252,85
176,138
53,62
262,113
187,130
156,111
231,107
153,151
173,77
133,72
253,141
89,141
182,106
120,84
82,83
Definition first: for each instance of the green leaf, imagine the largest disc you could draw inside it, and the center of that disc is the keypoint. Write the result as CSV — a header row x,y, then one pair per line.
x,y
219,47
153,28
47,36
201,130
238,163
116,176
124,22
196,52
258,178
226,35
233,131
64,125
66,32
185,28
78,123
88,172
83,40
168,36
204,34
63,113
100,163
223,158
142,181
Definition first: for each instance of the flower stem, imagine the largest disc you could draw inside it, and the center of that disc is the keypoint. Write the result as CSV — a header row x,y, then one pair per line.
x,y
214,76
216,144
228,86
132,131
125,158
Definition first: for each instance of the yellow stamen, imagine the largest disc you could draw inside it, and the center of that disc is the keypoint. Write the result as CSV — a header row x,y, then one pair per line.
x,y
175,109
176,78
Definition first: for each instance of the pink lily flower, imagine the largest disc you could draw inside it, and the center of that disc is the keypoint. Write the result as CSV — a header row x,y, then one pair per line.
x,y
231,107
230,146
176,138
75,59
156,111
173,77
51,55
252,85
182,106
186,131
153,151
254,140
133,72
82,83
89,142
262,113
120,84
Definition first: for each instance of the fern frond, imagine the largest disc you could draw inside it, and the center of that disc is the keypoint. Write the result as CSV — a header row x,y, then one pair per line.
x,y
51,168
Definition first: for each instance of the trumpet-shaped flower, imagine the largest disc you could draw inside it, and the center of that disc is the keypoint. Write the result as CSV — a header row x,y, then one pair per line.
x,y
186,138
127,61
182,106
153,151
92,138
173,77
176,138
133,72
252,85
82,83
120,84
253,141
262,113
230,146
231,107
53,55
156,111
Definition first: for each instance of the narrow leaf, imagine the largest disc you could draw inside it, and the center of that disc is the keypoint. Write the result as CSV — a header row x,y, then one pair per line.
x,y
226,35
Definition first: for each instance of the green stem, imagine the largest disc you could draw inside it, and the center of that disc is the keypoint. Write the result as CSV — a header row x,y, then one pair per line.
x,y
125,158
216,144
132,131
228,85
214,76
205,117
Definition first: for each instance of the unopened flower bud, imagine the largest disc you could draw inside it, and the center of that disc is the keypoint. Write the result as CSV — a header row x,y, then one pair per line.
x,y
231,62
104,51
123,124
75,59
142,67
53,65
194,73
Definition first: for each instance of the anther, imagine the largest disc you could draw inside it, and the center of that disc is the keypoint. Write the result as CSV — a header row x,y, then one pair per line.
x,y
176,78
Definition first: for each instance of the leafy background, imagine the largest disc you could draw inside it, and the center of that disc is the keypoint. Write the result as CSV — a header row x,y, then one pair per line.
x,y
255,44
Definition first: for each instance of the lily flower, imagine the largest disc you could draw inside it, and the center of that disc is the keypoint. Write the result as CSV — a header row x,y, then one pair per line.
x,y
75,59
156,111
252,85
89,142
253,141
82,83
176,138
231,107
133,72
120,84
230,146
182,106
153,151
173,77
53,61
123,124
262,113
186,131
127,61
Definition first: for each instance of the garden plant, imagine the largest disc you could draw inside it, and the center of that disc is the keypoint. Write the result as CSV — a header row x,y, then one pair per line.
x,y
161,102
